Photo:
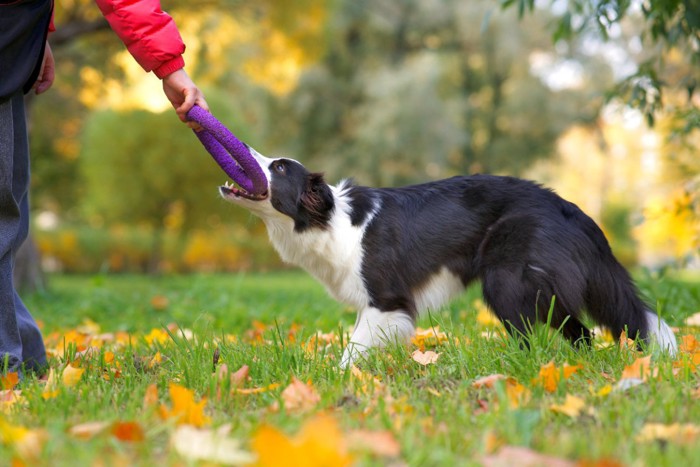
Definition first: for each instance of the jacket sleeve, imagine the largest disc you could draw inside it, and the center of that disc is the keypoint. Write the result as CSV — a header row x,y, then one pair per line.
x,y
149,34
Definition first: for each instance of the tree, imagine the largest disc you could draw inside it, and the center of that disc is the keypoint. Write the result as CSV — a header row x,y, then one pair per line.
x,y
410,90
659,28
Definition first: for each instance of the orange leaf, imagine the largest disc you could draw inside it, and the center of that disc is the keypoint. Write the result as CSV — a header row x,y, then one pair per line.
x,y
425,358
128,431
487,381
151,397
185,410
269,387
639,369
300,396
550,376
9,380
159,302
318,443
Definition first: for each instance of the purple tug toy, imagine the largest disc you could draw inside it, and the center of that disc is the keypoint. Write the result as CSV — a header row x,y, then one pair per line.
x,y
232,155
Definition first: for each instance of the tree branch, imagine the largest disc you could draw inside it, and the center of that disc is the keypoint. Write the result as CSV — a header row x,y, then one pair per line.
x,y
72,30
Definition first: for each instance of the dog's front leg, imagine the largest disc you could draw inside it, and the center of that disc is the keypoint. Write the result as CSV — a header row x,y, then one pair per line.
x,y
376,328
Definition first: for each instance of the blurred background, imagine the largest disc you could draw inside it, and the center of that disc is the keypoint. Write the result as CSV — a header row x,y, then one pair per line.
x,y
594,99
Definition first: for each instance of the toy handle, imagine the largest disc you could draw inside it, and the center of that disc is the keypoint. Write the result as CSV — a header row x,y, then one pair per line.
x,y
232,155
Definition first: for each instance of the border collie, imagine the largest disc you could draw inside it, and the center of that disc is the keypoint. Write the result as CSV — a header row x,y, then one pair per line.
x,y
393,253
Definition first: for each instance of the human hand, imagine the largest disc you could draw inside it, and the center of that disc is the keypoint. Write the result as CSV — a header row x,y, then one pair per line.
x,y
47,73
183,94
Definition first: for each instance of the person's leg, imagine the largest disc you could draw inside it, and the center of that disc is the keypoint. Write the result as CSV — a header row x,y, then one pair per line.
x,y
20,338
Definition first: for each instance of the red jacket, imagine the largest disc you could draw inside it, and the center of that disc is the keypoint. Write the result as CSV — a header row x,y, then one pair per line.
x,y
149,34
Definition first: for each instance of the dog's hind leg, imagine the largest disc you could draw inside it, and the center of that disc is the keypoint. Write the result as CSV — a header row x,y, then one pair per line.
x,y
510,300
376,328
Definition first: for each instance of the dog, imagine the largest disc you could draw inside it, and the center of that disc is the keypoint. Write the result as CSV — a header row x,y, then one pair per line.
x,y
394,253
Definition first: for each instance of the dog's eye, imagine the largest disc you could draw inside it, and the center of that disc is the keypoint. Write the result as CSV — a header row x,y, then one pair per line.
x,y
279,167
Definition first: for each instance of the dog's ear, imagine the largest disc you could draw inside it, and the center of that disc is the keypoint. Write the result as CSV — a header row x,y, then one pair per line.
x,y
315,204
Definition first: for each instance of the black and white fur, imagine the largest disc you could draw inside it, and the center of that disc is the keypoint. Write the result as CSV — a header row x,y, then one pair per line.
x,y
394,253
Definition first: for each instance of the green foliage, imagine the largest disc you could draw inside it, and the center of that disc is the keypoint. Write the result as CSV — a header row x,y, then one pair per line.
x,y
662,26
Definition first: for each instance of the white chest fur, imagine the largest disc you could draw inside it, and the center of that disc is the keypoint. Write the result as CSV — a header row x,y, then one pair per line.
x,y
332,255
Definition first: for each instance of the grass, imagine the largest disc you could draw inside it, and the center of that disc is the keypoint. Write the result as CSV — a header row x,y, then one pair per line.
x,y
433,411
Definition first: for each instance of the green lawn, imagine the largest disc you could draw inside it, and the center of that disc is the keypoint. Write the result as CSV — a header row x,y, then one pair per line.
x,y
434,412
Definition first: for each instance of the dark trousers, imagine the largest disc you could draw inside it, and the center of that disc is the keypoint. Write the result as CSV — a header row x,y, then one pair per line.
x,y
21,343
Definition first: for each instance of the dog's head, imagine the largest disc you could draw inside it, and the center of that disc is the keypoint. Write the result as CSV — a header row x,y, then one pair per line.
x,y
292,191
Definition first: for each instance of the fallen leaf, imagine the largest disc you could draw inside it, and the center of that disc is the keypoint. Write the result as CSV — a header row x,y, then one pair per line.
x,y
157,335
10,398
640,368
71,375
128,431
379,443
430,337
150,398
88,430
269,387
550,375
509,456
573,406
239,377
185,410
693,320
27,443
299,397
159,302
487,381
318,443
517,393
9,380
676,433
425,358
209,446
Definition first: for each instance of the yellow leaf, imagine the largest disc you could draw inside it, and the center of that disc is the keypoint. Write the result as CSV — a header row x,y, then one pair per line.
x,y
677,433
185,410
71,375
572,406
318,443
425,358
27,443
517,393
9,398
430,337
604,391
156,335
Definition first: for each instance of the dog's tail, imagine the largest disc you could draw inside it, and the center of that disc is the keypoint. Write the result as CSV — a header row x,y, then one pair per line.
x,y
614,301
